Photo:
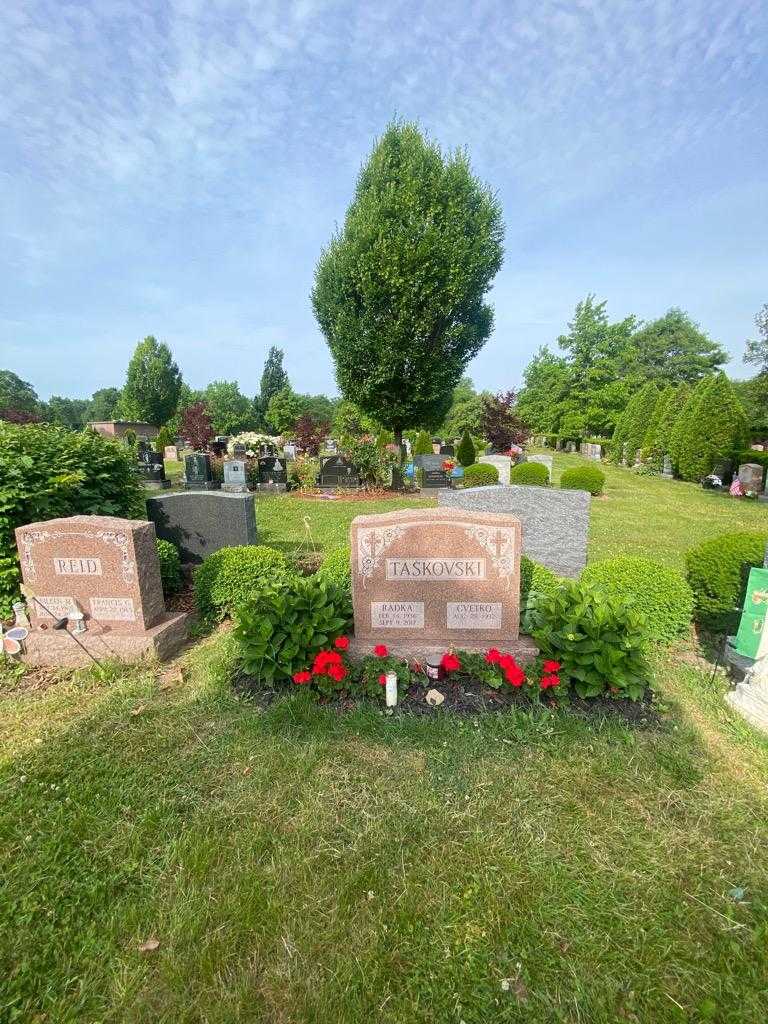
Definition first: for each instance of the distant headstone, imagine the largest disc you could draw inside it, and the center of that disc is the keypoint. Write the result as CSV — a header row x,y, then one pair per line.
x,y
503,464
151,467
592,450
198,475
751,477
289,452
235,481
555,523
667,470
436,445
171,452
201,522
102,574
571,447
447,450
239,450
543,460
272,473
338,471
426,580
217,448
432,473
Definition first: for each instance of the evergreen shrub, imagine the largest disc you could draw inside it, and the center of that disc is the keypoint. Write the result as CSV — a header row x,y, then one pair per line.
x,y
717,570
480,474
583,478
235,576
534,474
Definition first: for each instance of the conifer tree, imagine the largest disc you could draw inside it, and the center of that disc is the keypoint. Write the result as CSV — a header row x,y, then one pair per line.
x,y
465,453
679,433
715,432
666,414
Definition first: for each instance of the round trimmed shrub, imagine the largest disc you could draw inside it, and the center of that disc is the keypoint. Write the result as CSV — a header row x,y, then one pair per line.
x,y
170,566
236,576
480,474
336,567
532,473
536,579
583,478
660,593
717,570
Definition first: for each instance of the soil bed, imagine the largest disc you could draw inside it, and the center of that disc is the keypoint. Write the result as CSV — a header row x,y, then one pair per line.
x,y
467,697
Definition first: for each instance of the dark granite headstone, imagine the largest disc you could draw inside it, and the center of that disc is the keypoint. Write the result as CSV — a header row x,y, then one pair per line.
x,y
272,473
338,471
432,473
151,467
198,475
201,522
239,450
217,448
447,450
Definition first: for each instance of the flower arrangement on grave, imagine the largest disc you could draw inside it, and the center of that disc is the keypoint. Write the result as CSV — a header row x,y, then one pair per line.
x,y
449,465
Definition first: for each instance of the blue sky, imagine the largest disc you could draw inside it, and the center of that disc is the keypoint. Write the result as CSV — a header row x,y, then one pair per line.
x,y
175,167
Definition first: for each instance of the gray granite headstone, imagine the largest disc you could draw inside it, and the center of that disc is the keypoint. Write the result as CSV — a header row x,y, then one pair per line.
x,y
502,462
667,469
201,522
234,476
555,523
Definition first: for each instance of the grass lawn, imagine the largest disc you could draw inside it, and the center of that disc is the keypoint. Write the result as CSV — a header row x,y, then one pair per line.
x,y
296,865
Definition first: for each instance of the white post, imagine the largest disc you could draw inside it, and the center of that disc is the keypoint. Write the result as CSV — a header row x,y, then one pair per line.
x,y
391,689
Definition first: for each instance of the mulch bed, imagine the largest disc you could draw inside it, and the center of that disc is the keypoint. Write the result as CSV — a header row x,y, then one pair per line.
x,y
351,494
467,697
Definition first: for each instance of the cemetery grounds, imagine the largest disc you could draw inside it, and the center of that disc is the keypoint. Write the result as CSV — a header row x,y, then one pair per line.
x,y
171,853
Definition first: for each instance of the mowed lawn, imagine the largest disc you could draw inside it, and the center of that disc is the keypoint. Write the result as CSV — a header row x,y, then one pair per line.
x,y
298,865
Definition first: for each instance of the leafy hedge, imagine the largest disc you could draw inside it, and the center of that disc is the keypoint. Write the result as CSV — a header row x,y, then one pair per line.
x,y
47,472
717,570
536,579
336,567
660,593
170,566
480,474
237,576
583,478
534,474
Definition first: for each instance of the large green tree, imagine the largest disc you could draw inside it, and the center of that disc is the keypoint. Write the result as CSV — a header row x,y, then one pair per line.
x,y
757,350
73,413
399,292
546,382
230,411
716,431
103,404
632,426
273,379
17,395
283,410
152,384
673,350
465,412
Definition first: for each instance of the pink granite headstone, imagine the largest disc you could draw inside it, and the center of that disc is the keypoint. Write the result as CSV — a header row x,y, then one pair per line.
x,y
426,579
103,571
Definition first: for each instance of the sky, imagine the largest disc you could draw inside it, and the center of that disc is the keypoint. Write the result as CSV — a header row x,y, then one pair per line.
x,y
175,167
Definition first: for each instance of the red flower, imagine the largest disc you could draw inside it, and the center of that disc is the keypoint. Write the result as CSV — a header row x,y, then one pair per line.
x,y
341,643
506,661
382,680
493,656
551,666
514,675
551,680
337,672
323,660
381,650
302,677
450,662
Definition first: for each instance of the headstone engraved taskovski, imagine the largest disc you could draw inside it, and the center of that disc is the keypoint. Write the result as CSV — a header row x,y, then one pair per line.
x,y
426,580
93,590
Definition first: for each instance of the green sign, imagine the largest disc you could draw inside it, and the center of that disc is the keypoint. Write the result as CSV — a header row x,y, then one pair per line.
x,y
752,637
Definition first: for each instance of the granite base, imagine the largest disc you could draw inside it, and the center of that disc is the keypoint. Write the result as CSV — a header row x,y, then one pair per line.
x,y
157,485
271,488
206,485
60,648
523,649
235,488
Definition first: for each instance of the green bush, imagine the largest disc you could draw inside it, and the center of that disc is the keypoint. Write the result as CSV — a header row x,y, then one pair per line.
x,y
280,632
660,593
480,474
336,567
465,453
715,432
170,566
717,570
598,638
536,579
423,445
583,478
234,576
532,473
47,472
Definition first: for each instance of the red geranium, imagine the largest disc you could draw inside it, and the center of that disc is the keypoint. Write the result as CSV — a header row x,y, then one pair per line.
x,y
551,666
450,662
337,672
514,675
323,660
341,643
493,656
548,681
381,650
506,661
382,680
302,677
